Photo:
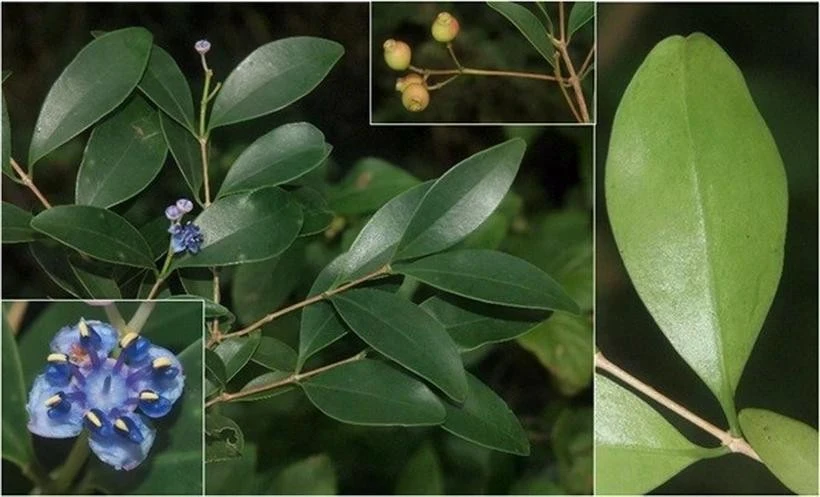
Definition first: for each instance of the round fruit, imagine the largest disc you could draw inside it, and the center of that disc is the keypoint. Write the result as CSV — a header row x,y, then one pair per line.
x,y
445,27
415,97
397,54
402,83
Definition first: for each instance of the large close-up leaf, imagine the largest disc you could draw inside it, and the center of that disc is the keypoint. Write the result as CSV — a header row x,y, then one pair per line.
x,y
99,78
272,77
697,199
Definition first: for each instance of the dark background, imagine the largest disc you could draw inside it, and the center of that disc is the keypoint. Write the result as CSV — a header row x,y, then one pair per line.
x,y
775,47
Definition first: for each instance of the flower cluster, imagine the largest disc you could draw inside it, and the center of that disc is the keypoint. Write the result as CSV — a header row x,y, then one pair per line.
x,y
92,380
183,237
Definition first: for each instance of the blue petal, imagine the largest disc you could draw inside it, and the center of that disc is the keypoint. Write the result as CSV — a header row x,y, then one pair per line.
x,y
171,389
68,338
40,423
119,451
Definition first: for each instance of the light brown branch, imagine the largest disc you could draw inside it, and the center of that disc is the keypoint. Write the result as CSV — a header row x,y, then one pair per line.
x,y
26,179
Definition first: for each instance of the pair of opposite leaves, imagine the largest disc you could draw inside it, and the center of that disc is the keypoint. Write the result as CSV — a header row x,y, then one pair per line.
x,y
697,198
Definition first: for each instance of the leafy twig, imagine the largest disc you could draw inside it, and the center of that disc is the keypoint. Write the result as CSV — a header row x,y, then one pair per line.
x,y
26,179
485,72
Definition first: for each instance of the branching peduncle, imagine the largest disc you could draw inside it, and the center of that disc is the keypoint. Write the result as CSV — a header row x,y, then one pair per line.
x,y
293,378
383,271
734,444
29,182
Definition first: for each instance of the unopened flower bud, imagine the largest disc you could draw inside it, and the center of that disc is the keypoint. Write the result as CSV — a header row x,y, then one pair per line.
x,y
185,205
397,54
202,46
402,83
445,27
415,97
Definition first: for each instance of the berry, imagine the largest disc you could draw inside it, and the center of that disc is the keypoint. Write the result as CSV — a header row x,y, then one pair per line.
x,y
415,97
445,27
397,54
402,83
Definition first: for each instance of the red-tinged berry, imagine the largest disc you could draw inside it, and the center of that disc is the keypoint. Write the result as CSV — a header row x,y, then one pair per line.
x,y
397,54
445,27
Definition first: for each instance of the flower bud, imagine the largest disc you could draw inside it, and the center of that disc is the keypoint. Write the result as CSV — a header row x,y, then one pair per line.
x,y
445,27
402,83
415,97
397,54
202,47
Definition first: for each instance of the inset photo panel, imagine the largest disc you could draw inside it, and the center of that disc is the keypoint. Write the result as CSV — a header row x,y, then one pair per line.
x,y
482,63
706,249
102,397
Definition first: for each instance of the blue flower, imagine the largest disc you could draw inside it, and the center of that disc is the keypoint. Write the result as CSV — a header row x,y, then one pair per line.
x,y
187,237
93,381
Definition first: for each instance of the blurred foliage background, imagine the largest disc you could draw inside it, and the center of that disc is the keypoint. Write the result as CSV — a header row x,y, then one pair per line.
x,y
487,40
290,446
775,47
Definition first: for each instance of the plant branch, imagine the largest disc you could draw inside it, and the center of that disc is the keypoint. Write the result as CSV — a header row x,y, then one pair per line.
x,y
294,378
564,92
574,82
453,55
203,135
561,20
586,65
26,179
735,444
384,270
485,72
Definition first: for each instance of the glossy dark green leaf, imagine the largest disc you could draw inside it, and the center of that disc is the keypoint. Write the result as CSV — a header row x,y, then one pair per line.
x,y
461,199
369,185
99,78
53,260
265,393
212,309
529,26
260,288
16,225
486,420
224,439
214,365
16,437
185,150
184,318
164,83
315,211
122,157
788,447
277,157
156,234
320,325
543,8
312,476
632,439
272,77
236,352
422,474
581,13
492,277
706,257
563,344
5,143
246,227
96,278
97,232
368,392
274,355
473,324
401,331
376,243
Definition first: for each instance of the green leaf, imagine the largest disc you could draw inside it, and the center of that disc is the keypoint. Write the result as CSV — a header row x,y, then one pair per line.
x,y
636,449
5,144
461,199
529,25
16,437
16,225
473,324
185,150
706,257
99,78
277,157
312,476
164,83
215,366
233,476
53,260
246,227
563,344
272,77
156,234
581,13
401,331
97,232
236,352
787,446
274,355
370,184
261,287
95,277
267,393
492,277
122,157
486,420
212,309
224,439
377,241
197,281
317,216
368,392
320,325
422,473
543,8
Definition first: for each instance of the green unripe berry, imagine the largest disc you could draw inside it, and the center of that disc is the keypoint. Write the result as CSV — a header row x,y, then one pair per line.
x,y
402,83
397,54
445,27
415,97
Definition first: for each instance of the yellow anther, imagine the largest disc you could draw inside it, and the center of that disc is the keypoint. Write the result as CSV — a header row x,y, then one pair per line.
x,y
120,424
127,339
161,362
53,400
94,419
83,328
57,358
148,395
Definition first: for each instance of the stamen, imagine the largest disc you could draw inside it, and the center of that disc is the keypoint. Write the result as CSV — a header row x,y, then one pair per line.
x,y
161,362
54,400
148,395
127,339
57,358
57,405
93,418
164,369
89,338
97,422
126,427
